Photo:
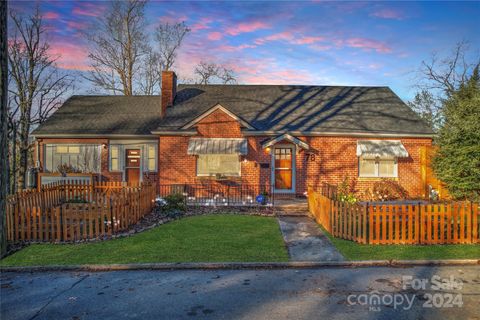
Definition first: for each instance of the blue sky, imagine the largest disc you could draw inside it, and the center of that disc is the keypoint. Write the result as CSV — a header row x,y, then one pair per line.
x,y
301,42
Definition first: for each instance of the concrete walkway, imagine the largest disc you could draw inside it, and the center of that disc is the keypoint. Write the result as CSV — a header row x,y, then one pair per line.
x,y
306,241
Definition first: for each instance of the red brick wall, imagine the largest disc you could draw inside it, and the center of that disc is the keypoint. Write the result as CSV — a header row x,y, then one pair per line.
x,y
218,124
335,158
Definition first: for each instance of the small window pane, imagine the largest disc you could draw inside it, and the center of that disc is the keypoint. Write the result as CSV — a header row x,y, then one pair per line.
x,y
62,149
114,164
151,152
73,149
114,151
367,167
386,168
151,164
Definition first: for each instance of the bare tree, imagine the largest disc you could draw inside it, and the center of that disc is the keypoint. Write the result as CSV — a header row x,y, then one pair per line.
x,y
4,172
118,44
36,86
446,74
213,73
427,107
228,76
438,78
169,38
151,74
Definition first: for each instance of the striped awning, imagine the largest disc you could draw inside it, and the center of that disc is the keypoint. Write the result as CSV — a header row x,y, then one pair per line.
x,y
217,146
381,149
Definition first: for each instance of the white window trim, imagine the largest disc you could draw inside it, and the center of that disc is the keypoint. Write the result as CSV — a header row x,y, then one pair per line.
x,y
110,158
377,172
214,175
54,145
155,150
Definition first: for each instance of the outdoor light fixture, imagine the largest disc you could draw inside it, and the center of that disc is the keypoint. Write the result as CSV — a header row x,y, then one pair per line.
x,y
267,150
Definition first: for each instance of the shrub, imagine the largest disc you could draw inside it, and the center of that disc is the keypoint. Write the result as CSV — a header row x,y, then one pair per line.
x,y
346,191
174,205
386,190
64,168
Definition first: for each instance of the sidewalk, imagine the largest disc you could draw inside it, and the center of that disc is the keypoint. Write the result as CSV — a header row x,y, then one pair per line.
x,y
306,241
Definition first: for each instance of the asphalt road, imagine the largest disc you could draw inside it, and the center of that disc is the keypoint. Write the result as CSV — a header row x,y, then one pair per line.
x,y
328,293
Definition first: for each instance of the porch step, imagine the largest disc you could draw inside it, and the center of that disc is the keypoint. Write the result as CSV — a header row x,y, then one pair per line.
x,y
303,213
291,207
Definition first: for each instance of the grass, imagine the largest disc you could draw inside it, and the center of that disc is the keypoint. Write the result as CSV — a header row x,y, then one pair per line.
x,y
355,251
214,238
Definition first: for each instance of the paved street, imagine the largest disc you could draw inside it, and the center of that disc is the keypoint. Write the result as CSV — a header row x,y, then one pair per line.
x,y
239,294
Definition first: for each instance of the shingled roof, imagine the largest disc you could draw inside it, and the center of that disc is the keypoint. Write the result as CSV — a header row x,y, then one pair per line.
x,y
276,108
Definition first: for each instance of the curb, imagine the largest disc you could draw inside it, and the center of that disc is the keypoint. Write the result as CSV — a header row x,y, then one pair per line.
x,y
244,265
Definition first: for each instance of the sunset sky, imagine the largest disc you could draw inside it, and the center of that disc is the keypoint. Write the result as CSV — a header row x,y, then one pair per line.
x,y
301,42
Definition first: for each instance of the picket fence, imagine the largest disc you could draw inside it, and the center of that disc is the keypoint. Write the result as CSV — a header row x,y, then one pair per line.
x,y
439,223
74,211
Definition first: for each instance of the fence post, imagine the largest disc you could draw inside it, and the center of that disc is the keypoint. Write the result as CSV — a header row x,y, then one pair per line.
x,y
421,226
366,228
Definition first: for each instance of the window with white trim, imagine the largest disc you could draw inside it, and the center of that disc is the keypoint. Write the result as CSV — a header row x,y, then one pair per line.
x,y
81,157
218,164
151,157
377,167
114,158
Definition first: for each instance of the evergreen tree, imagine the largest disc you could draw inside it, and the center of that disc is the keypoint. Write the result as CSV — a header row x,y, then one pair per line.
x,y
457,161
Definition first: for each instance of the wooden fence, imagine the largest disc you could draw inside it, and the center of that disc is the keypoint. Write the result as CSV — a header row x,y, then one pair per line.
x,y
442,223
67,212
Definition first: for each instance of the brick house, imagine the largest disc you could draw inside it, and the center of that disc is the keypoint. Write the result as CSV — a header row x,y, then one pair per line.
x,y
286,137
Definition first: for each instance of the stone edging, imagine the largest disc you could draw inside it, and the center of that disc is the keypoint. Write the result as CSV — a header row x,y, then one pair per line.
x,y
244,265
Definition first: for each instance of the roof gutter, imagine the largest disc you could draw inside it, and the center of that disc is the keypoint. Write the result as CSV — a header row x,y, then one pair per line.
x,y
90,135
175,133
341,134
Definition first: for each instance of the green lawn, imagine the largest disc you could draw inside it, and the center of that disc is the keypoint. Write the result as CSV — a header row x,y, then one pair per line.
x,y
354,251
214,238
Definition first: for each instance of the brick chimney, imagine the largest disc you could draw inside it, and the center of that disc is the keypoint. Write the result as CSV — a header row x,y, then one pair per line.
x,y
169,90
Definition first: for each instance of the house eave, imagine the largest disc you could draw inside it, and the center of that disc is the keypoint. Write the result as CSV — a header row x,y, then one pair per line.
x,y
338,134
91,135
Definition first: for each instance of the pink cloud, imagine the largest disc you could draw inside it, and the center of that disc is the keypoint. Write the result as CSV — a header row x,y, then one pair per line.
x,y
321,47
89,9
77,25
173,19
50,15
308,40
388,14
290,38
368,44
71,56
203,23
214,36
227,48
246,27
286,76
286,35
